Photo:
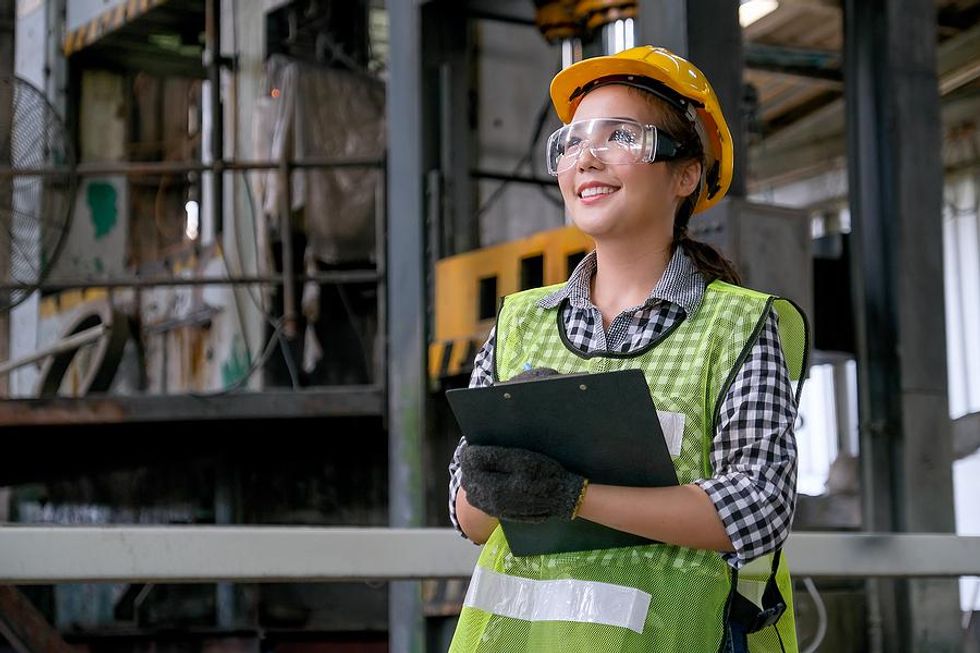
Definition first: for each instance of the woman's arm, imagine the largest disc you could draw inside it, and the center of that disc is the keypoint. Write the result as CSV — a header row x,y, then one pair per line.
x,y
682,515
745,509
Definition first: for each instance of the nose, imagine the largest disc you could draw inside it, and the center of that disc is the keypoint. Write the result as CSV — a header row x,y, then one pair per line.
x,y
588,159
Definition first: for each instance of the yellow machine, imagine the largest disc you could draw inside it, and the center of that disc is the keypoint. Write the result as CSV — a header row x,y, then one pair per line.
x,y
468,288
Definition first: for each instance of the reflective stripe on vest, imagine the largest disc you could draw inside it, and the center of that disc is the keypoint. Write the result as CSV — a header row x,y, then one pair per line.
x,y
558,600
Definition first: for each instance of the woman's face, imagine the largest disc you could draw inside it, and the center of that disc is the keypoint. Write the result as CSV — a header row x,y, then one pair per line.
x,y
622,200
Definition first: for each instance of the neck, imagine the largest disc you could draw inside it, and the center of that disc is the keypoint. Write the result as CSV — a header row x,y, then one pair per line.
x,y
627,271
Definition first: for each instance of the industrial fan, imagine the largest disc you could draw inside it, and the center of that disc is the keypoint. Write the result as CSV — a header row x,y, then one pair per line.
x,y
37,188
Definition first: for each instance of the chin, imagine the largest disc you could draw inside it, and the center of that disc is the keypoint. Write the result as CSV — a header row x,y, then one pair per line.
x,y
595,224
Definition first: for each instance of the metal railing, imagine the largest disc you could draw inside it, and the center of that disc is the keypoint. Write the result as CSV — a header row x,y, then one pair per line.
x,y
43,555
286,279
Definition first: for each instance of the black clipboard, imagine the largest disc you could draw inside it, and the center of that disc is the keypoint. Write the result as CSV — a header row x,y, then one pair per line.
x,y
603,426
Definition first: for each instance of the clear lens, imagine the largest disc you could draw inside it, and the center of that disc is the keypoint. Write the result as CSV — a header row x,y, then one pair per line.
x,y
609,140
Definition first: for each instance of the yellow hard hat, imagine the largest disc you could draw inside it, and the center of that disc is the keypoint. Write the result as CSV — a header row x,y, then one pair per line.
x,y
671,77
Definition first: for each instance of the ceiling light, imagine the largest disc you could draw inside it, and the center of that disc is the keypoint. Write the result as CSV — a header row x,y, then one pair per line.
x,y
750,11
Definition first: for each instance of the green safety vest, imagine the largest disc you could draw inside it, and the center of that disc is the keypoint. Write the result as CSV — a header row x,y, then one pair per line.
x,y
655,598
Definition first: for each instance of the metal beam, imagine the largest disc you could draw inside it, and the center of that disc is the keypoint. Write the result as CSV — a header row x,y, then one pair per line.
x,y
822,65
201,554
896,182
346,401
406,308
25,628
779,154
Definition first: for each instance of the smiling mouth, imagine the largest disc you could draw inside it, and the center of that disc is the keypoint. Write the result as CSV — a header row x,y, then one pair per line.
x,y
596,192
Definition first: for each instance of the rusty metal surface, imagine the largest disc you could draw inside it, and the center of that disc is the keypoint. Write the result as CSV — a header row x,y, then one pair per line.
x,y
347,401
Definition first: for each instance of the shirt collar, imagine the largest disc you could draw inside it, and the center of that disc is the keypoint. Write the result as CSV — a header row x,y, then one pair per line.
x,y
680,284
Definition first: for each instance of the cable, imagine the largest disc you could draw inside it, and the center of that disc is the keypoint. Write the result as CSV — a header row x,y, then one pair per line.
x,y
287,356
368,365
811,589
524,160
255,366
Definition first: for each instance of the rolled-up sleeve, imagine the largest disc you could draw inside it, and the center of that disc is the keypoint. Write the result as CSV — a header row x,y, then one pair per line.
x,y
753,453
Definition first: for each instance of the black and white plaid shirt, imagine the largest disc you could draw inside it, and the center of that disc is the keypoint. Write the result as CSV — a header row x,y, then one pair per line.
x,y
754,450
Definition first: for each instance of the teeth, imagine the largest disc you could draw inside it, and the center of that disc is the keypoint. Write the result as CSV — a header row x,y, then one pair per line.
x,y
598,190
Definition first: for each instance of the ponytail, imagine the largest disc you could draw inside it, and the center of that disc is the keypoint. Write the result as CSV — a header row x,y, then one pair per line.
x,y
711,263
707,260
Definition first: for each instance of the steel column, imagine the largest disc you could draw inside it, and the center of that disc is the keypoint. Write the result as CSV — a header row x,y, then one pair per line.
x,y
714,42
406,308
896,177
708,33
662,23
7,31
456,133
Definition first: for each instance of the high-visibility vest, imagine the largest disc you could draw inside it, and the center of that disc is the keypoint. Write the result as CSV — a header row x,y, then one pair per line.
x,y
654,598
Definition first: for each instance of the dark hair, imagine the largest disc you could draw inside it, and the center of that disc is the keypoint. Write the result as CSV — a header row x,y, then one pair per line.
x,y
709,261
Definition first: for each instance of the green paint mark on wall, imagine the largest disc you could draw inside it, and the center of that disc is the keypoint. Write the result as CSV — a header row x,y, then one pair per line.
x,y
101,199
99,266
236,367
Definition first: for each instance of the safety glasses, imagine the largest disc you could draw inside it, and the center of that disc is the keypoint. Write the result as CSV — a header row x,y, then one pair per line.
x,y
613,141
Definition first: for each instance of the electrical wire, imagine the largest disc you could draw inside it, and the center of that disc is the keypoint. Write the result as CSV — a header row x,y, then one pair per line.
x,y
255,366
811,589
528,158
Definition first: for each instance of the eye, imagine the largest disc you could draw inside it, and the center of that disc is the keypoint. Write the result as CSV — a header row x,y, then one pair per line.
x,y
623,136
570,146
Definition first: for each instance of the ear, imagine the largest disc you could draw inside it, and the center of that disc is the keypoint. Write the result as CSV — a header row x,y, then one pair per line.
x,y
688,178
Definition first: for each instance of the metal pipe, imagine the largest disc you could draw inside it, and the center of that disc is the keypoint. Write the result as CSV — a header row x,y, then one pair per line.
x,y
286,237
617,36
212,38
334,277
381,255
571,51
7,36
70,343
150,168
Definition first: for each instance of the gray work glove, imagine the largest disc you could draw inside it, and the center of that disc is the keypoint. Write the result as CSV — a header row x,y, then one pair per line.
x,y
519,485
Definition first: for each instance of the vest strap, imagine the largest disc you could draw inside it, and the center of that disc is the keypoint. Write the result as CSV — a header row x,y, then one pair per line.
x,y
754,618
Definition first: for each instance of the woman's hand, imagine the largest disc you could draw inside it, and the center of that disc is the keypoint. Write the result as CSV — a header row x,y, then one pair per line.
x,y
518,484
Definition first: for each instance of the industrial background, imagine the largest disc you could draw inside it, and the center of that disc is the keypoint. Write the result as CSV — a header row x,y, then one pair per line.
x,y
247,245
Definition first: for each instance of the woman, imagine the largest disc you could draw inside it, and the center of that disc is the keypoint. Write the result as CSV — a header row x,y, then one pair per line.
x,y
644,147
